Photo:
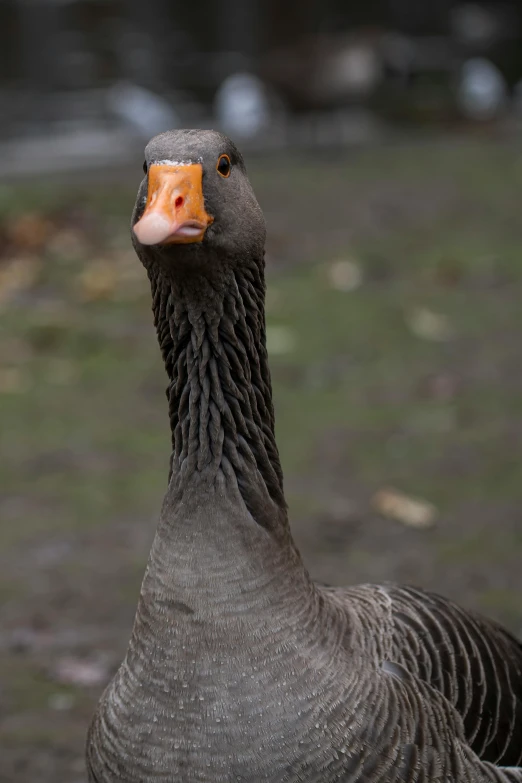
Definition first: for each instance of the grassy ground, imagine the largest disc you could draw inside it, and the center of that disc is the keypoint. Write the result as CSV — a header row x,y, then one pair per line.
x,y
400,366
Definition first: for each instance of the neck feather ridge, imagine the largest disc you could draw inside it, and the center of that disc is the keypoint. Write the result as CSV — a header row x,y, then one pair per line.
x,y
212,338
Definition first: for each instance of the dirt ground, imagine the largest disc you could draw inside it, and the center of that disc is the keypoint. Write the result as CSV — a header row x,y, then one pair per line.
x,y
395,322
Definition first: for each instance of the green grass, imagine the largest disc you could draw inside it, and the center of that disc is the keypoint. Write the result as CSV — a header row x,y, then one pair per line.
x,y
356,363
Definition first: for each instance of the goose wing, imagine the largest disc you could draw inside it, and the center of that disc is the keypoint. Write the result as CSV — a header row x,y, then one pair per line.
x,y
472,661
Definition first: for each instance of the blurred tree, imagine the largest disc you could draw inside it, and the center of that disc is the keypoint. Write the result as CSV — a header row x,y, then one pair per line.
x,y
40,60
238,27
286,23
149,22
8,37
416,18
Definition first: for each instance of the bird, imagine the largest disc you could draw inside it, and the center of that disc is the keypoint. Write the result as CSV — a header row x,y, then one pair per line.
x,y
240,668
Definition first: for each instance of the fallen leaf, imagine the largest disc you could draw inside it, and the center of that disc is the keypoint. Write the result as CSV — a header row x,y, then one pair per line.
x,y
280,340
29,231
345,275
98,280
13,380
429,325
16,275
75,671
407,510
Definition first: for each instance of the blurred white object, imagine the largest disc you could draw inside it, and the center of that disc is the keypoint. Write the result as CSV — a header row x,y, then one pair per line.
x,y
482,89
353,70
242,106
145,112
429,325
412,512
280,340
345,275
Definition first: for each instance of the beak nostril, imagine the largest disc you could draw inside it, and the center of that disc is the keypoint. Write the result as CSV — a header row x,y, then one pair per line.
x,y
179,202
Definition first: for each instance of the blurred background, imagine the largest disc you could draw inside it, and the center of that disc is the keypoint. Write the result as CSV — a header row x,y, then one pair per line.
x,y
384,141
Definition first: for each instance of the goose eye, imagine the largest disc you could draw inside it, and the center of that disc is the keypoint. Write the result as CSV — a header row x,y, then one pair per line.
x,y
224,165
144,166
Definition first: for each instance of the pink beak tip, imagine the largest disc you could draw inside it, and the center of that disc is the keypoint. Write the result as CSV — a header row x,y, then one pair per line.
x,y
152,229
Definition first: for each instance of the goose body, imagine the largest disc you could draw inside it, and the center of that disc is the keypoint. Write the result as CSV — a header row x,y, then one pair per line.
x,y
240,668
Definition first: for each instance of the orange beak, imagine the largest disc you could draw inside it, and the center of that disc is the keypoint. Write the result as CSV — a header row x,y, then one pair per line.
x,y
175,209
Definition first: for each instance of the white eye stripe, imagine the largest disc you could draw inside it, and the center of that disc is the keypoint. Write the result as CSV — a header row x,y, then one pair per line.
x,y
167,162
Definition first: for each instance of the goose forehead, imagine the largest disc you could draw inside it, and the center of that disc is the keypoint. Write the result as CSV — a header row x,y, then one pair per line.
x,y
185,146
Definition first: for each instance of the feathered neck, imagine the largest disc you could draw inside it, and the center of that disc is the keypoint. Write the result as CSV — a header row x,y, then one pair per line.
x,y
211,331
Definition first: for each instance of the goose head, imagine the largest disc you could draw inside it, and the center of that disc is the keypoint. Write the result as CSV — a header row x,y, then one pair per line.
x,y
195,204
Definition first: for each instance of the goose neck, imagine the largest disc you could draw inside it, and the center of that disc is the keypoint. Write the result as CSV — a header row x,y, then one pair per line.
x,y
211,331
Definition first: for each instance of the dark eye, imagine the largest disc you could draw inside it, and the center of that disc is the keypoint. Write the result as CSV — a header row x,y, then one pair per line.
x,y
144,166
224,165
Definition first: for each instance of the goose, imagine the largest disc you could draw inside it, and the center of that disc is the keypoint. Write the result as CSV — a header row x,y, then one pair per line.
x,y
240,668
